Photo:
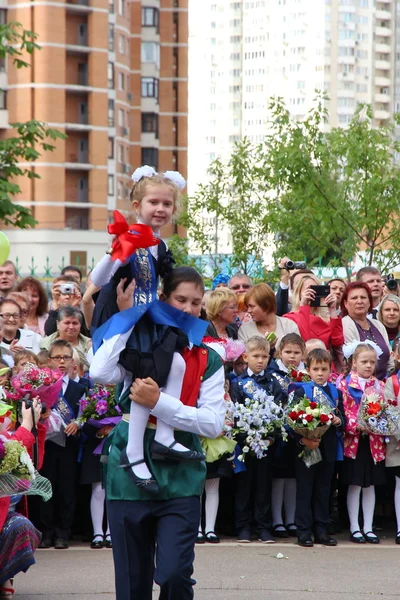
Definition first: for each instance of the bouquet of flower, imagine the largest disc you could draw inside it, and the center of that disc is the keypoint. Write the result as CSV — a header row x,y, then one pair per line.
x,y
298,376
17,473
100,409
258,419
378,415
311,420
35,381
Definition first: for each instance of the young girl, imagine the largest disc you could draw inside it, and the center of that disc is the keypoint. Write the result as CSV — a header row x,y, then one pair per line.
x,y
364,452
199,411
291,352
392,395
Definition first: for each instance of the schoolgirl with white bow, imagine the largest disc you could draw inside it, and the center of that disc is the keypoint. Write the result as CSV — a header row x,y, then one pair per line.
x,y
364,452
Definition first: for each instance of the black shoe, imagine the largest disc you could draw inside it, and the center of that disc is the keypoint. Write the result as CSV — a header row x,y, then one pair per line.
x,y
97,542
291,529
45,543
200,538
61,544
398,537
305,541
244,536
266,537
149,485
212,538
280,533
371,539
356,539
107,541
161,452
325,540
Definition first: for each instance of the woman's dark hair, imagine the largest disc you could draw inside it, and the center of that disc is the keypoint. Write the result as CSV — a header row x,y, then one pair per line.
x,y
355,285
181,275
38,287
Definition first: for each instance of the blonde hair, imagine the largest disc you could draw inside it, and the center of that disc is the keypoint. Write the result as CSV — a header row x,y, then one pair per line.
x,y
139,189
388,298
263,295
296,296
217,300
313,344
19,297
257,342
21,354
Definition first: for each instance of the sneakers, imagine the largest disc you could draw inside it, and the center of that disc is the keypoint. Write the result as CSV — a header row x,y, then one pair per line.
x,y
266,537
244,537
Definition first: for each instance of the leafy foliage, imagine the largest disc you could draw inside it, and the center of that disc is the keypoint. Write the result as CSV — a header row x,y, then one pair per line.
x,y
31,136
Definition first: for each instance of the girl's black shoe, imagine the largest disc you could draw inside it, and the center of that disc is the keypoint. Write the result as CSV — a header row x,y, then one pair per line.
x,y
97,542
108,542
357,539
149,485
161,452
280,531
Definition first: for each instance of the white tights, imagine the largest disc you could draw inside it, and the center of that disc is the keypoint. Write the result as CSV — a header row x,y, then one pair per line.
x,y
368,507
97,509
211,504
397,502
283,496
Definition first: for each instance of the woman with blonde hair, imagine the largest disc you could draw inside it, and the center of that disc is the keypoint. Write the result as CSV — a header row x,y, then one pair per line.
x,y
260,301
389,316
316,322
221,309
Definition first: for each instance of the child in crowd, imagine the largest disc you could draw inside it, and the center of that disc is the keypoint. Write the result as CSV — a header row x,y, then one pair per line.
x,y
22,358
392,395
43,358
60,462
364,452
291,351
314,483
253,486
312,344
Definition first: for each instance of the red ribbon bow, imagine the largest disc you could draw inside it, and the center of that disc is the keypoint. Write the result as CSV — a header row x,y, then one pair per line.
x,y
129,237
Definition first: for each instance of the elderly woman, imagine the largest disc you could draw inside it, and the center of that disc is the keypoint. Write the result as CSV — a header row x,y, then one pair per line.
x,y
260,301
16,337
389,316
221,309
316,322
356,304
38,302
69,323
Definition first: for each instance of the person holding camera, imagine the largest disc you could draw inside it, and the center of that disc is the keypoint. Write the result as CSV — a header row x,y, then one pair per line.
x,y
65,291
291,273
314,312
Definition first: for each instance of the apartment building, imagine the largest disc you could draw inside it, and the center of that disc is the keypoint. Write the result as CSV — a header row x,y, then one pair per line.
x,y
112,75
243,52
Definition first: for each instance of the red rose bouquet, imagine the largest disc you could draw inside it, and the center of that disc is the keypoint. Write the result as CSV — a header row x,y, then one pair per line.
x,y
299,376
35,381
311,420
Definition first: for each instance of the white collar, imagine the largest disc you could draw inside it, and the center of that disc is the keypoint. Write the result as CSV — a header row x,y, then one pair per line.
x,y
250,372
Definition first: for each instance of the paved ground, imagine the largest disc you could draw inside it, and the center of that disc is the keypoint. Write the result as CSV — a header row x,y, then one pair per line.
x,y
232,572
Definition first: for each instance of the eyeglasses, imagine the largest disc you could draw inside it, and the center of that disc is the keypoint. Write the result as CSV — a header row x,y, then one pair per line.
x,y
244,286
233,307
24,313
8,316
59,358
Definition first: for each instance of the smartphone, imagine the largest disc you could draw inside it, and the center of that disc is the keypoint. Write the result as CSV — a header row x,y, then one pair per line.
x,y
271,337
67,288
321,291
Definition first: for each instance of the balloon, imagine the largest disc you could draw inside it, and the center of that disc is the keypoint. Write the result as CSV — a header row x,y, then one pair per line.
x,y
4,248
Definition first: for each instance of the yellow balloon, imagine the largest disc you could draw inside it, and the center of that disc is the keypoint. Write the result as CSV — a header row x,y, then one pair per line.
x,y
4,247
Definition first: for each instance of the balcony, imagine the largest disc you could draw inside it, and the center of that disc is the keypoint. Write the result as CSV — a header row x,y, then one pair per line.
x,y
78,6
76,218
383,31
384,15
381,114
382,64
77,74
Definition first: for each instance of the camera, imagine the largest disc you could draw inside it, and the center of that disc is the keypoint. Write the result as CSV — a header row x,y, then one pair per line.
x,y
67,288
28,403
290,265
391,283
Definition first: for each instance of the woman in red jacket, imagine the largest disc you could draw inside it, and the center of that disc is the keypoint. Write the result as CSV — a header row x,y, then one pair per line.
x,y
322,322
18,537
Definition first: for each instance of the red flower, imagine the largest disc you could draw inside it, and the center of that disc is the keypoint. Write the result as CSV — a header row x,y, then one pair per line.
x,y
293,415
28,386
313,405
293,373
47,381
309,418
301,413
324,418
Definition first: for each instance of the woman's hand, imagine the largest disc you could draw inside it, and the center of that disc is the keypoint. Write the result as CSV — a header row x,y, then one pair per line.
x,y
336,421
310,444
27,418
307,296
125,298
15,347
330,302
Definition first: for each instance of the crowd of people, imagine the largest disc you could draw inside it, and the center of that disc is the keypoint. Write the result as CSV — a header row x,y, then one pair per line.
x,y
345,337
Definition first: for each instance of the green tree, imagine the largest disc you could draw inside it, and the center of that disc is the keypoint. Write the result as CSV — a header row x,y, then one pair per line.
x,y
31,136
234,197
336,192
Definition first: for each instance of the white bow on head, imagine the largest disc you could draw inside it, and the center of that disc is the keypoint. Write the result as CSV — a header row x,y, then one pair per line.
x,y
350,348
147,171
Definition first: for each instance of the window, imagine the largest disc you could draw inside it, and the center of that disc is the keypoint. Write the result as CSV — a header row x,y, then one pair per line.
x,y
110,76
149,17
110,186
120,189
121,118
121,8
150,123
150,157
3,99
111,6
151,53
110,147
111,38
122,44
111,113
149,87
121,82
3,16
121,153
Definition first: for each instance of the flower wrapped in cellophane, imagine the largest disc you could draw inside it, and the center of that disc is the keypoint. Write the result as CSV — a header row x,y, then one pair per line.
x,y
99,409
378,415
255,422
35,381
311,420
17,473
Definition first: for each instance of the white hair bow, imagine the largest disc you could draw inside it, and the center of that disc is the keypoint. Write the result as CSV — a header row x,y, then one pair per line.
x,y
350,348
141,172
176,178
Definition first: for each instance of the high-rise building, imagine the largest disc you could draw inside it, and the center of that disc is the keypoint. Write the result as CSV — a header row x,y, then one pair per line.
x,y
245,52
112,75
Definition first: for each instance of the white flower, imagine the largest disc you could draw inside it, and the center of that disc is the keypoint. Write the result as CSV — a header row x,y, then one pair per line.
x,y
141,172
246,449
176,178
308,410
25,460
315,412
